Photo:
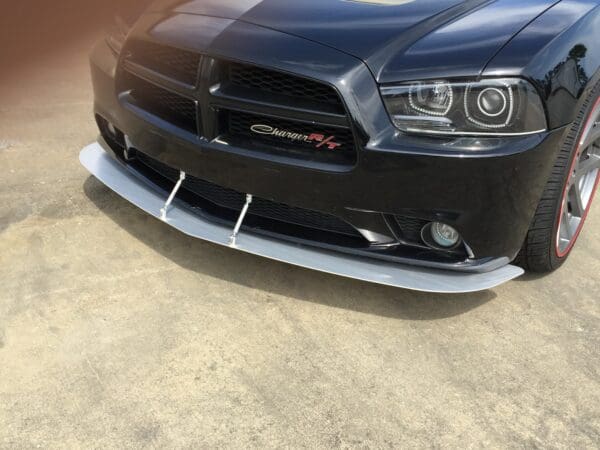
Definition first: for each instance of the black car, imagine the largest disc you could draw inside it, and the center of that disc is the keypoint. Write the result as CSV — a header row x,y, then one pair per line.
x,y
425,144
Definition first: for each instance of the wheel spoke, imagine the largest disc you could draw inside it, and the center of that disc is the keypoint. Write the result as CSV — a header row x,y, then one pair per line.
x,y
592,137
575,200
565,228
590,164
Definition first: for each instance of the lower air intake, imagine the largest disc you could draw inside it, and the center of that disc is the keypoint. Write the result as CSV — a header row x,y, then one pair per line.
x,y
233,200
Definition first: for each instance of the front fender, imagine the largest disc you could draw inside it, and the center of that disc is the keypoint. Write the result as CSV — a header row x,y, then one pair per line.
x,y
559,53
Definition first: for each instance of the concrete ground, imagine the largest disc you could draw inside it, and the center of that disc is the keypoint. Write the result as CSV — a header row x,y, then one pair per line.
x,y
116,330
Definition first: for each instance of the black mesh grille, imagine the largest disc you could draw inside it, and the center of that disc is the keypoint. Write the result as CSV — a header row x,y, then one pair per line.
x,y
167,105
280,83
411,228
240,130
181,65
233,200
241,87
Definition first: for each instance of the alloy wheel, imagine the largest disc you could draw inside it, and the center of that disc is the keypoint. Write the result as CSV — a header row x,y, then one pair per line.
x,y
581,185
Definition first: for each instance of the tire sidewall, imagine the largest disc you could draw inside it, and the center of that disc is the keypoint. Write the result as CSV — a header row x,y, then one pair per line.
x,y
578,129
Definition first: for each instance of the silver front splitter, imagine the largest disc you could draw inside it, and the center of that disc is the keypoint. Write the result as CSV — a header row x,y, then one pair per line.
x,y
116,176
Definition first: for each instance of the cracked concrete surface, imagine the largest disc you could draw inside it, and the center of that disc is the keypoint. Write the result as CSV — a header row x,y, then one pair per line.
x,y
116,330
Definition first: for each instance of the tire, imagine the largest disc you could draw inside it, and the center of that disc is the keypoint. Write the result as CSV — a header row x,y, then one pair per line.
x,y
565,204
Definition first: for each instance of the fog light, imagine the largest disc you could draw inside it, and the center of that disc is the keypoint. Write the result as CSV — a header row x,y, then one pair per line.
x,y
444,235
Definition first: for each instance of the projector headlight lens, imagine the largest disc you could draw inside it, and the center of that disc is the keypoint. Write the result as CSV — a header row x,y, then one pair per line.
x,y
508,106
492,102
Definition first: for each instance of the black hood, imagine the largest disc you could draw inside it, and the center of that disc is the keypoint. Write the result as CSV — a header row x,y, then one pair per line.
x,y
398,39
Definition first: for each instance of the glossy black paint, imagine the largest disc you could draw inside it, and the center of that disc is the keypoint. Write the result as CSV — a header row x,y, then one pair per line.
x,y
487,188
559,53
403,41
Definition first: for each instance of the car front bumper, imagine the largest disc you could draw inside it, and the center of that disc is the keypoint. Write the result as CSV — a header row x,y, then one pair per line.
x,y
117,177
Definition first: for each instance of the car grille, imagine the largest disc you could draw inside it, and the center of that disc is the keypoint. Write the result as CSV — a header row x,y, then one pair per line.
x,y
181,65
234,201
223,110
162,103
274,82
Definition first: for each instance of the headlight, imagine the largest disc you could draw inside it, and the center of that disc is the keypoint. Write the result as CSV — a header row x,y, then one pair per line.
x,y
117,34
508,106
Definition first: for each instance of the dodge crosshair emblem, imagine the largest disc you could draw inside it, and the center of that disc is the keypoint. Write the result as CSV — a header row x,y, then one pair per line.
x,y
320,140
